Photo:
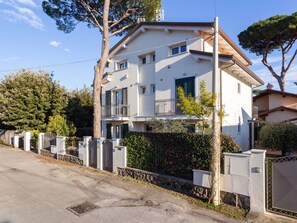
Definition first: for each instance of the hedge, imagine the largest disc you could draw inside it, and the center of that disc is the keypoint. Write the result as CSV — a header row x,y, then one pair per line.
x,y
174,154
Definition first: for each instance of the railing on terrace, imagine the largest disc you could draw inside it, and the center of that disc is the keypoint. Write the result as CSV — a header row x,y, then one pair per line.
x,y
166,107
109,111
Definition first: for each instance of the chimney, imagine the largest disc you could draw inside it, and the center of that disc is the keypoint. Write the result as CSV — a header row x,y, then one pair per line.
x,y
269,86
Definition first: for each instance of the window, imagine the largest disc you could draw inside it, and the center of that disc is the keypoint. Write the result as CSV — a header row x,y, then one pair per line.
x,y
147,58
239,125
178,49
153,58
188,84
142,89
122,65
238,88
143,60
153,88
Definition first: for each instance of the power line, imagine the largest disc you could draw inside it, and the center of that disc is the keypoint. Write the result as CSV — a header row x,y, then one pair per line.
x,y
50,65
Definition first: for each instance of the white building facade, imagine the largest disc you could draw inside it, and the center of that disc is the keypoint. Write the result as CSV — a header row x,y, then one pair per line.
x,y
147,65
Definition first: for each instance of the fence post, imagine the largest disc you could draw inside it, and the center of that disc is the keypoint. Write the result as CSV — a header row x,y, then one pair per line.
x,y
27,141
60,143
99,144
257,180
16,141
86,153
40,142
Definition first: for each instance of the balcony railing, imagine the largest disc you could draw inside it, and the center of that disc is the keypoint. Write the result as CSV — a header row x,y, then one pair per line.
x,y
109,111
167,107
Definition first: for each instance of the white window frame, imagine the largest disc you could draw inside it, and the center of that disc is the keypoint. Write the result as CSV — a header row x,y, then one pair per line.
x,y
152,88
142,90
179,47
122,65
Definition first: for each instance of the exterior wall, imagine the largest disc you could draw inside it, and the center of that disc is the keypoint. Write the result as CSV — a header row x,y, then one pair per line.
x,y
262,103
238,108
276,100
164,71
278,116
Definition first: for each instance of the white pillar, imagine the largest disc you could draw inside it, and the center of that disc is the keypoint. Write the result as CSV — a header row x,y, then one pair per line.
x,y
16,141
40,142
60,143
99,144
27,141
257,180
86,154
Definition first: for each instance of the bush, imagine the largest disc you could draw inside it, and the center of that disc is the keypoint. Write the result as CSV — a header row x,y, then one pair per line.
x,y
59,126
173,154
279,136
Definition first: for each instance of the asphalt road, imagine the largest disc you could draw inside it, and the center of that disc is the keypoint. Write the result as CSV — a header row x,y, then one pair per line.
x,y
34,189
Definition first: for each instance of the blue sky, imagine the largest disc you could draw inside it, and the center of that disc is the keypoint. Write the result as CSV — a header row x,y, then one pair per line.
x,y
30,39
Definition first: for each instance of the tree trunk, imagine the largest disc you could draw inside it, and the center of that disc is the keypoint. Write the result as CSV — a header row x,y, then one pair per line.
x,y
99,71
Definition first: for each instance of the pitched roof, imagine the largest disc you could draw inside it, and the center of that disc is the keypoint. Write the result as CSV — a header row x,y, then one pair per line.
x,y
280,108
271,91
209,25
231,58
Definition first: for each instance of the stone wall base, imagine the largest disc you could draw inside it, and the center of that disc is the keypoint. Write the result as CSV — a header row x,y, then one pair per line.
x,y
66,158
184,187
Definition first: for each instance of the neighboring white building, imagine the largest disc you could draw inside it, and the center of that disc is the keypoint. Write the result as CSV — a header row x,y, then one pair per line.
x,y
152,59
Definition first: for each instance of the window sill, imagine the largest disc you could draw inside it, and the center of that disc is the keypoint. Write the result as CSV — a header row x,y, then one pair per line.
x,y
121,69
177,54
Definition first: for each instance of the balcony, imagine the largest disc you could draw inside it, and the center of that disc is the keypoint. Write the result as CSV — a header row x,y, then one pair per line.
x,y
167,107
115,111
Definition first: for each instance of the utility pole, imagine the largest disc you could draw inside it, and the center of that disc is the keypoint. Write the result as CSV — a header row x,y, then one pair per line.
x,y
216,142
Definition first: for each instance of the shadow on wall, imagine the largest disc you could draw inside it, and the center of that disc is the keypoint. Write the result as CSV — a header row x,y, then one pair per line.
x,y
240,132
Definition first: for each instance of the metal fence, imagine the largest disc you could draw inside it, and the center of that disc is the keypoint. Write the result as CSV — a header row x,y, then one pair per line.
x,y
281,185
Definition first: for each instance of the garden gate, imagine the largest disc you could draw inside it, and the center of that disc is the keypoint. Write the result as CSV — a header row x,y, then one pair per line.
x,y
281,185
107,155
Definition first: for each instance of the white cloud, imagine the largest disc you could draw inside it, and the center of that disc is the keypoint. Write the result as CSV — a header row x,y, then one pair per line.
x,y
67,50
30,3
19,11
55,43
8,59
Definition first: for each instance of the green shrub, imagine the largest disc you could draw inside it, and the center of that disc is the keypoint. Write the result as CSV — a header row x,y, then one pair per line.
x,y
173,154
59,126
279,136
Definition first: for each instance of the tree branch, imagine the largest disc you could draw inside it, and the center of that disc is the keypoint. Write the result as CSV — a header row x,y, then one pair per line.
x,y
120,30
264,61
125,15
291,61
283,70
94,21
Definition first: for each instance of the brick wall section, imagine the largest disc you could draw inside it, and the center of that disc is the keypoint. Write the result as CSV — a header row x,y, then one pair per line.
x,y
184,186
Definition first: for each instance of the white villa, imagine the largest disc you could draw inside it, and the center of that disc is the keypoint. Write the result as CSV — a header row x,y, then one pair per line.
x,y
146,66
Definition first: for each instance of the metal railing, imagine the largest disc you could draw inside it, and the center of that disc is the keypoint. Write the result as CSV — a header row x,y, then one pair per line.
x,y
115,111
167,107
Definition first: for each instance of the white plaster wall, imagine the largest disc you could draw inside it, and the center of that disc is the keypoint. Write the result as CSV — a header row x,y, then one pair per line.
x,y
244,174
237,106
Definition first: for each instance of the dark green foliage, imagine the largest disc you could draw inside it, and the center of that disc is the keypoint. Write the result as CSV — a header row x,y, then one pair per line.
x,y
173,154
275,34
80,108
28,98
68,13
279,136
270,34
